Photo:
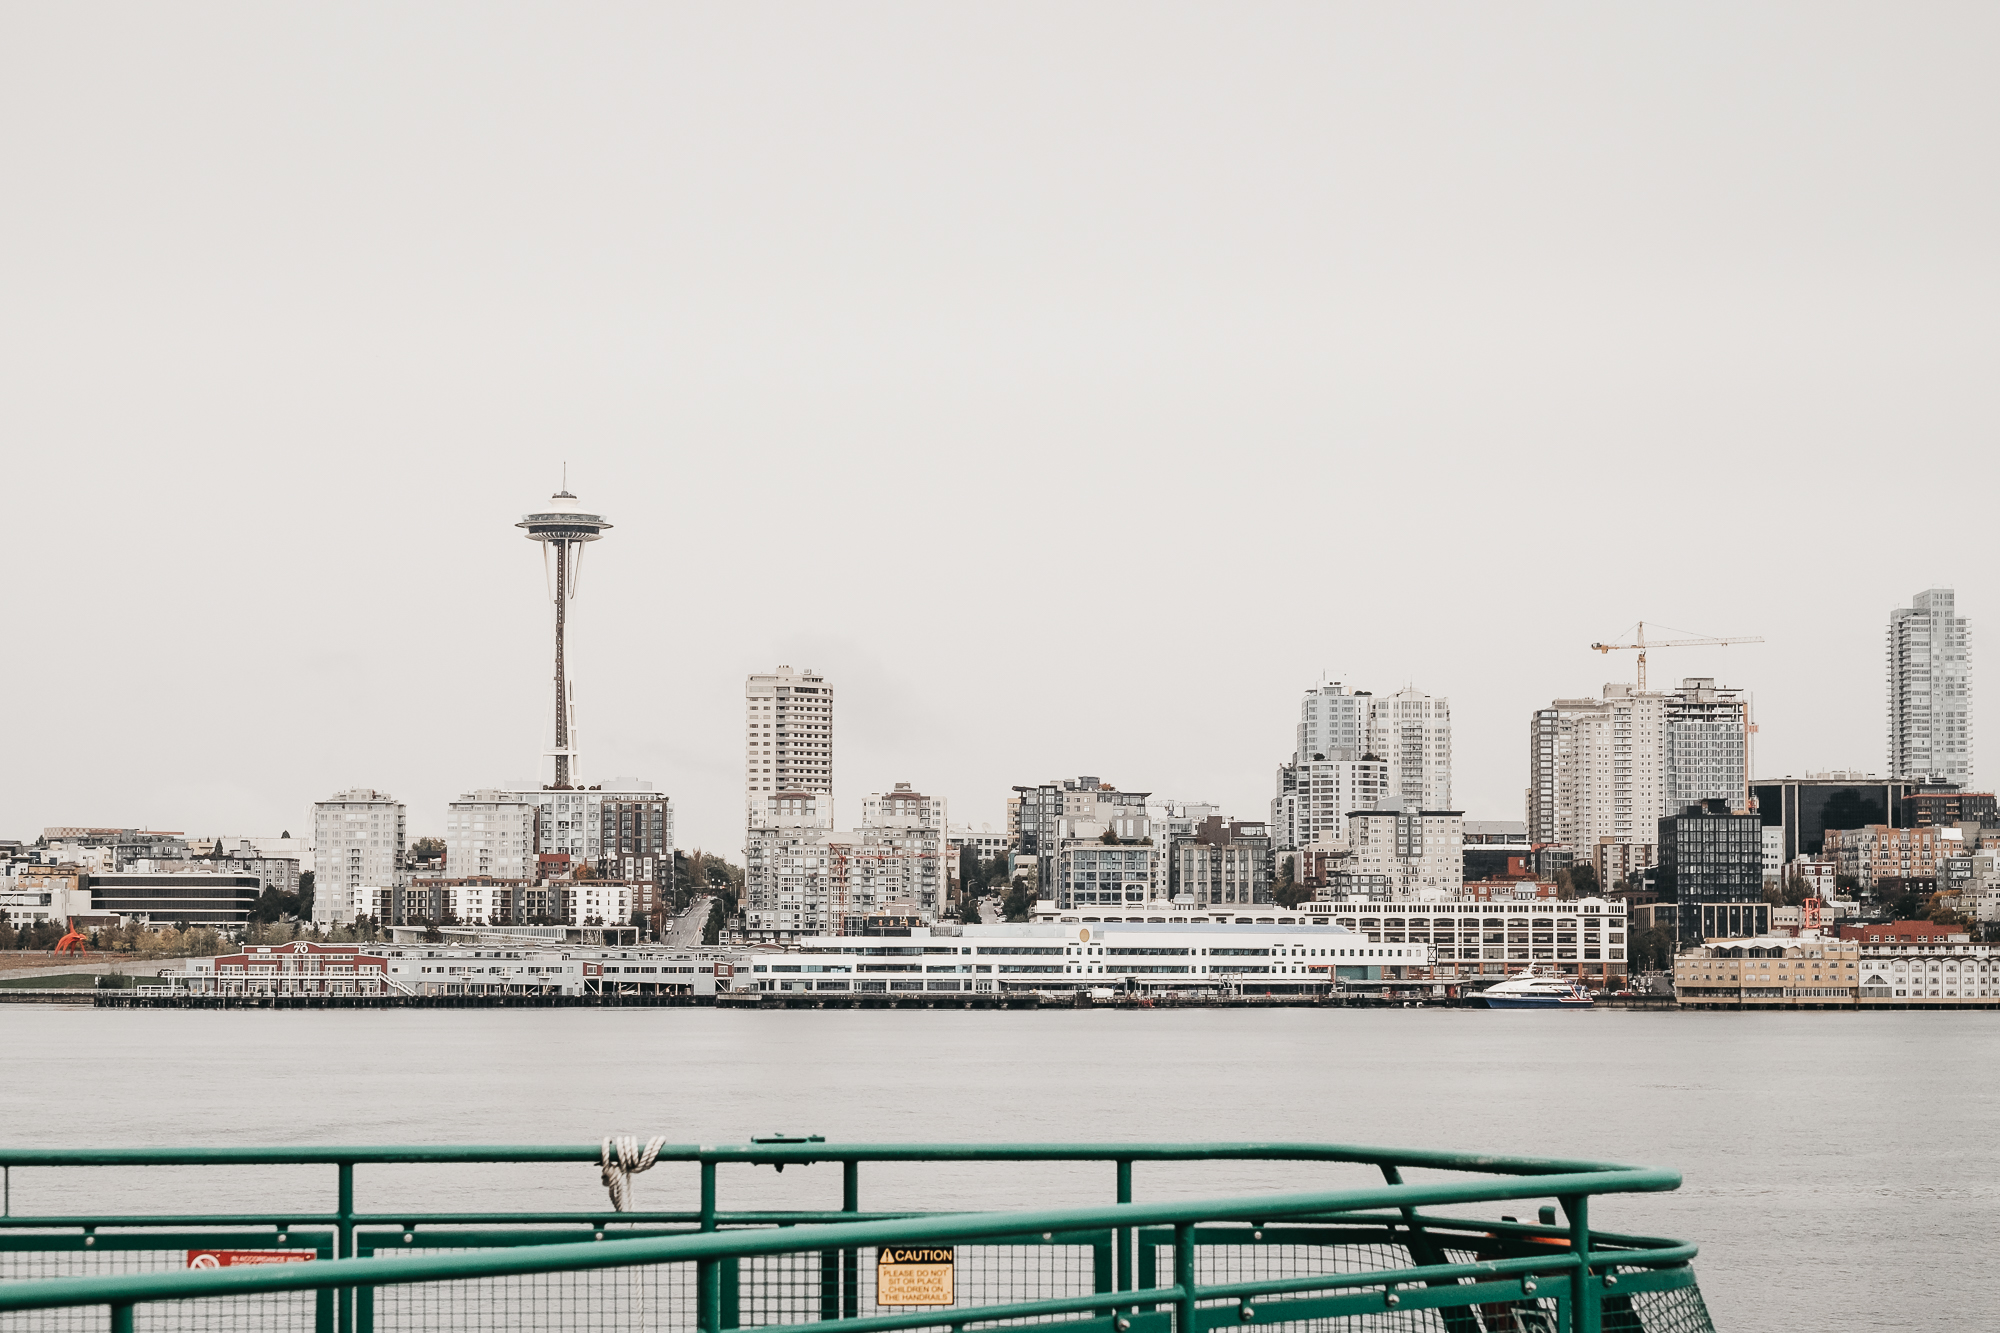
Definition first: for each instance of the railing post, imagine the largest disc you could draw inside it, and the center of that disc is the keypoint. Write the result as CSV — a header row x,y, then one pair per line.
x,y
850,1260
121,1319
708,1272
343,1247
1587,1315
1184,1276
1124,1235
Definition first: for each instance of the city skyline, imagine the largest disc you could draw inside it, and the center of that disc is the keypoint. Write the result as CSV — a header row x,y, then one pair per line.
x,y
988,418
971,802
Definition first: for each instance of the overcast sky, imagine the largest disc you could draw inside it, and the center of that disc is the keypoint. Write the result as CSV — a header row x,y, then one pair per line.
x,y
1072,384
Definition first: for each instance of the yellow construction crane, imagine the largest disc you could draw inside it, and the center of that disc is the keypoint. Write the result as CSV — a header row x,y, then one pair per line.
x,y
1642,646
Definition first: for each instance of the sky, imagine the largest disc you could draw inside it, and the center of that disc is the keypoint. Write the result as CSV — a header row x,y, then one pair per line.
x,y
1073,385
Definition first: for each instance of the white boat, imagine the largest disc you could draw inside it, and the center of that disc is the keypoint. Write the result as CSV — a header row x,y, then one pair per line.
x,y
1535,992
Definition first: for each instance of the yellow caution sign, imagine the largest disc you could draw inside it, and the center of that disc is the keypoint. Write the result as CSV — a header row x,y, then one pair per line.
x,y
914,1275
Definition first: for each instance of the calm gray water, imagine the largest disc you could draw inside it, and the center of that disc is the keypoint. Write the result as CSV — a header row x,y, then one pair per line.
x,y
1840,1168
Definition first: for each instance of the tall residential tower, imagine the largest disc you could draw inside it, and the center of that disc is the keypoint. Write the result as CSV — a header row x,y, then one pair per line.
x,y
1930,689
788,716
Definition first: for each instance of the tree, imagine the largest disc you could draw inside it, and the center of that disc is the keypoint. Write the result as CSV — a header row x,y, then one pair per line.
x,y
1651,950
1944,915
305,895
968,911
1792,893
711,931
1288,892
1908,905
427,849
1019,904
969,876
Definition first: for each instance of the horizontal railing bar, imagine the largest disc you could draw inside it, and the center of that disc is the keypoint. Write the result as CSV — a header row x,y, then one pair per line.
x,y
1625,1249
444,1219
807,1153
736,1244
976,1314
1348,1304
1396,1221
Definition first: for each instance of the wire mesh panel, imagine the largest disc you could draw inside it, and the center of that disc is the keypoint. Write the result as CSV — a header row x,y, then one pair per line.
x,y
1678,1310
1249,1254
30,1256
646,1296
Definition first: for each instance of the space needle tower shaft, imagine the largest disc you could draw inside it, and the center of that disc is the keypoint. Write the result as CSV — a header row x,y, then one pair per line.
x,y
562,529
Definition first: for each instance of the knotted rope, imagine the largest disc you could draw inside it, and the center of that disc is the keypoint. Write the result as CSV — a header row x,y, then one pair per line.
x,y
620,1158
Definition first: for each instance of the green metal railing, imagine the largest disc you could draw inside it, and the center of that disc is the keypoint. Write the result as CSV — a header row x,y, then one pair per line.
x,y
1358,1258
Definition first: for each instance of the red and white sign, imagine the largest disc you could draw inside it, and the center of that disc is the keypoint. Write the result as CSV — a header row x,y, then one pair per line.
x,y
239,1258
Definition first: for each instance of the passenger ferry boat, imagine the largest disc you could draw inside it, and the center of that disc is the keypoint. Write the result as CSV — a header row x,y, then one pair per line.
x,y
1535,992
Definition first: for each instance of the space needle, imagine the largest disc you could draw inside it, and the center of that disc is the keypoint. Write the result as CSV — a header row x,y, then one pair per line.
x,y
563,528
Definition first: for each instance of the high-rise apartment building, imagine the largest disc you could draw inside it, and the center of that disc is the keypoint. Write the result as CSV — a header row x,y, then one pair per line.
x,y
1707,744
358,839
803,878
899,855
490,834
788,868
789,720
1609,768
1930,690
1332,770
1411,732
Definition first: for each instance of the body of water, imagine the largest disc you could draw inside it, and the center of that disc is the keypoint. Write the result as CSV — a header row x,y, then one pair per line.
x,y
1840,1170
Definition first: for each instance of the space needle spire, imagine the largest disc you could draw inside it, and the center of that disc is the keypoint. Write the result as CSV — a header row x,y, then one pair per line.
x,y
563,528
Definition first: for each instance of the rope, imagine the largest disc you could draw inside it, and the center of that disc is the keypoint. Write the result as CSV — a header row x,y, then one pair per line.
x,y
629,1162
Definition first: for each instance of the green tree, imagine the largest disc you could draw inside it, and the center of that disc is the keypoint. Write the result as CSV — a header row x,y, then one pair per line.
x,y
970,874
711,931
1792,893
1650,950
1019,904
968,911
1288,892
1907,905
305,895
